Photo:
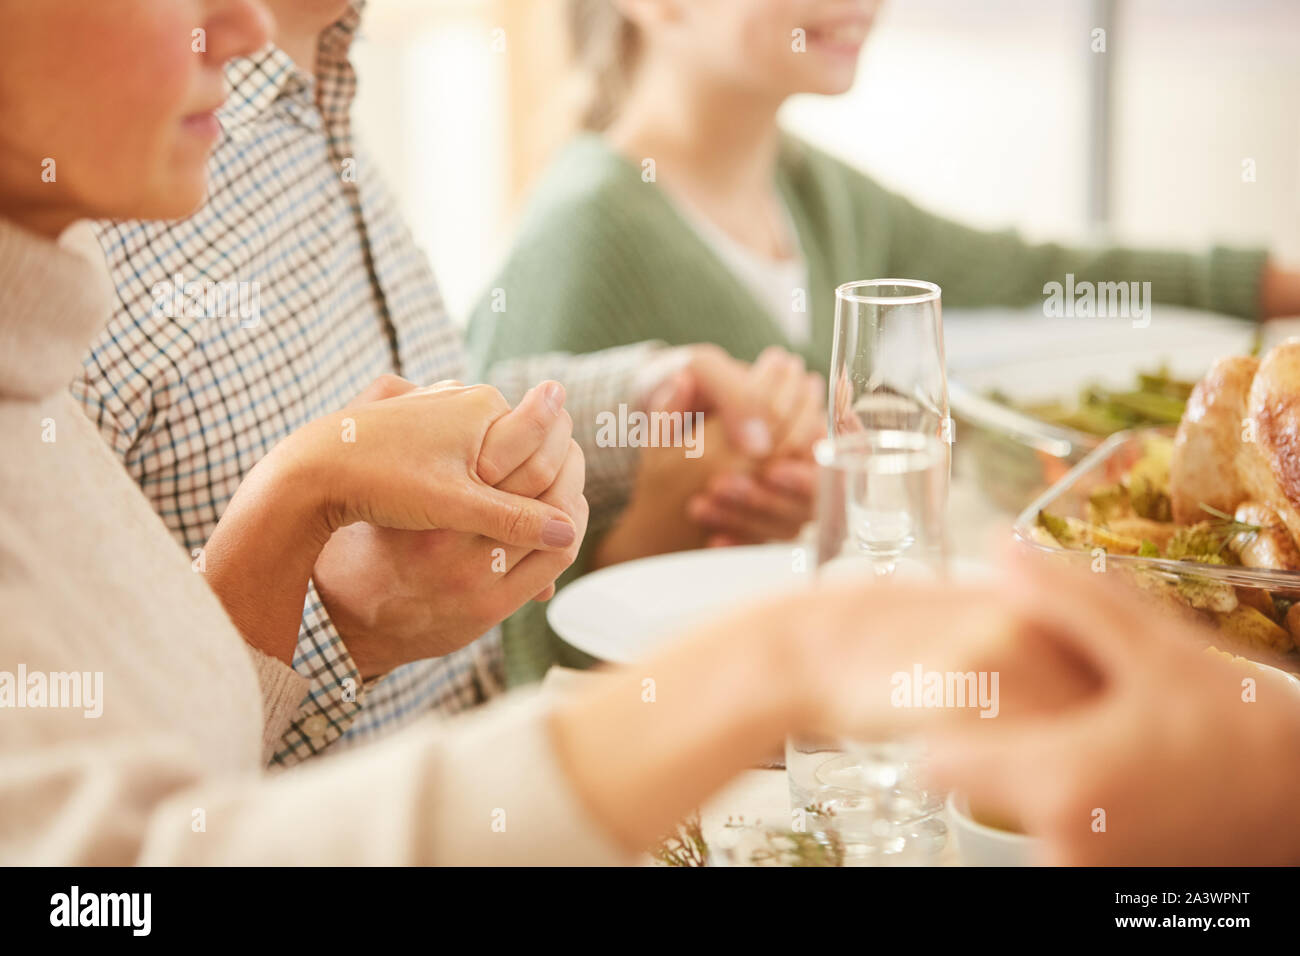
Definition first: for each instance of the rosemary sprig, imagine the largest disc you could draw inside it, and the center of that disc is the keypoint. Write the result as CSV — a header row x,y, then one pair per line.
x,y
1228,527
1230,520
686,847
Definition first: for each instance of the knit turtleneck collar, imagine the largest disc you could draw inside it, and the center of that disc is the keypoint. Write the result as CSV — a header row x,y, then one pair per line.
x,y
52,302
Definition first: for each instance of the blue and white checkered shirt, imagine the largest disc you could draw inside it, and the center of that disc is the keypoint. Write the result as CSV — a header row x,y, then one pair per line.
x,y
293,288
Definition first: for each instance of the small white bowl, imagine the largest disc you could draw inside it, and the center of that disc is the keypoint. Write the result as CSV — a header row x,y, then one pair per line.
x,y
981,845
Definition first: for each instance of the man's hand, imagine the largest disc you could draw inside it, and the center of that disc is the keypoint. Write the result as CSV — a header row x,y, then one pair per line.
x,y
1189,757
397,596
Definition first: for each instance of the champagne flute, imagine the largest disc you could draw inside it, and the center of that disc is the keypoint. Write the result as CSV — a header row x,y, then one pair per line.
x,y
887,360
867,793
888,373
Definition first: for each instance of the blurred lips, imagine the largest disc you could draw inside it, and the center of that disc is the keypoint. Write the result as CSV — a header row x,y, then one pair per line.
x,y
203,124
840,37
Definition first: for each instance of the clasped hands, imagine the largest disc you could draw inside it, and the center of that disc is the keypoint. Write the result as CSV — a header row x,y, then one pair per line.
x,y
398,592
398,595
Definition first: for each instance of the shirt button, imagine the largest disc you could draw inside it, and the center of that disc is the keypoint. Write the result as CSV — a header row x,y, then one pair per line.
x,y
315,725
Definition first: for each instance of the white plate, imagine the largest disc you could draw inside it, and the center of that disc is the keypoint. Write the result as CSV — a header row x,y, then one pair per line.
x,y
1032,358
620,613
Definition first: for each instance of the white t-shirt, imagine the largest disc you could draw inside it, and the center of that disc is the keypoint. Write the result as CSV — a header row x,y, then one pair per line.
x,y
779,284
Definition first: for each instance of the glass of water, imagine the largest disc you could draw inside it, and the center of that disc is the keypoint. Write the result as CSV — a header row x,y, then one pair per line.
x,y
887,362
880,510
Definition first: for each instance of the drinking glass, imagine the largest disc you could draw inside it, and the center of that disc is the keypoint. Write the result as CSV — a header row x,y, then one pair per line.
x,y
887,363
881,498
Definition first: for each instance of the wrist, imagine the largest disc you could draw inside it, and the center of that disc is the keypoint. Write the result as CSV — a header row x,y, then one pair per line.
x,y
259,558
707,707
659,370
624,539
783,652
305,483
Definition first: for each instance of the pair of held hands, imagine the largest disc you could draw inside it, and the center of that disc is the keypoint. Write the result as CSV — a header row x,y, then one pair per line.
x,y
454,510
1118,740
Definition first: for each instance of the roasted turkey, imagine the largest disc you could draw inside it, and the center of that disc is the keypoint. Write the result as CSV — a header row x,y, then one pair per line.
x,y
1238,451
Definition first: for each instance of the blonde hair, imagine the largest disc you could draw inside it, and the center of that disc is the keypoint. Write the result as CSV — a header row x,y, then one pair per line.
x,y
605,47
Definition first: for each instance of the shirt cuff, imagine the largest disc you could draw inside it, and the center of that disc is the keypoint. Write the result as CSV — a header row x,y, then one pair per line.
x,y
283,690
1235,279
335,692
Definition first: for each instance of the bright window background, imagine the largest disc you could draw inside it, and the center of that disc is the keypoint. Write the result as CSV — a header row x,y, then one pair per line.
x,y
979,110
1200,86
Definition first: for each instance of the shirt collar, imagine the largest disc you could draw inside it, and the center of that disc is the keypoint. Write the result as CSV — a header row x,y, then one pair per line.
x,y
258,81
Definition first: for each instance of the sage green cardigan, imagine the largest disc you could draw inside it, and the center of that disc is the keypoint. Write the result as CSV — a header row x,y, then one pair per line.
x,y
603,258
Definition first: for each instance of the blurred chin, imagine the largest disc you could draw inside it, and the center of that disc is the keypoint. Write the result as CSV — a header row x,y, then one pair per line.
x,y
170,197
830,81
186,200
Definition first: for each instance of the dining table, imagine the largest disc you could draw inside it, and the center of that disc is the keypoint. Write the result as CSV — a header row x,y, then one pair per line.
x,y
760,795
978,524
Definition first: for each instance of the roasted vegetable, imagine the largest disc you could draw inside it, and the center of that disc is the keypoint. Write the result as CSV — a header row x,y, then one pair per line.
x,y
1206,594
1159,399
1205,541
1148,481
1158,533
1261,601
1254,632
1109,503
1073,533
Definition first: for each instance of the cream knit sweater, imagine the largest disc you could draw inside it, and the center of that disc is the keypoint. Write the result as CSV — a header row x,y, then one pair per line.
x,y
171,769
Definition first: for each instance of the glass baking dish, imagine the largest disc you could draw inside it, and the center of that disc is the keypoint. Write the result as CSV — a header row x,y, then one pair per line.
x,y
1014,457
1011,456
1106,465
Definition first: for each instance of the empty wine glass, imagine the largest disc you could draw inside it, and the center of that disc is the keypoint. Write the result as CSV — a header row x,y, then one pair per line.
x,y
887,361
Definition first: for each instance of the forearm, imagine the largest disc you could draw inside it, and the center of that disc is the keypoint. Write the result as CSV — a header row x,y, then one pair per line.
x,y
652,741
656,519
260,557
647,527
978,268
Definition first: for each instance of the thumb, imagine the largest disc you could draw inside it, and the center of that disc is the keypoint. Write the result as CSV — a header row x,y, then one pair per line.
x,y
515,520
722,385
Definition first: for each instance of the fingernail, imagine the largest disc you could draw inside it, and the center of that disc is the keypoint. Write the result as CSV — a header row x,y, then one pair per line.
x,y
757,438
555,397
558,534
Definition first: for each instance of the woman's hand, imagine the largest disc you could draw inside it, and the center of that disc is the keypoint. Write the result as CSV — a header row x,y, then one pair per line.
x,y
723,697
399,596
408,462
411,462
1103,704
770,504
